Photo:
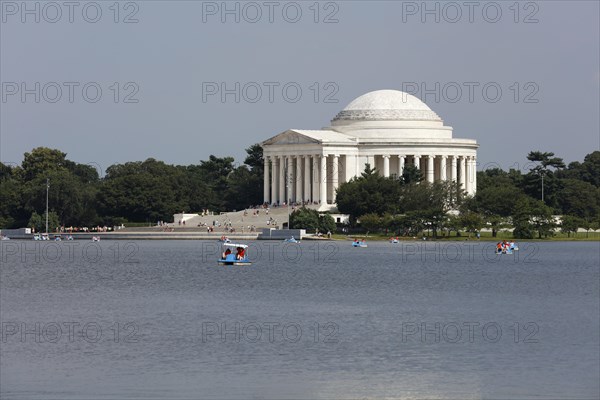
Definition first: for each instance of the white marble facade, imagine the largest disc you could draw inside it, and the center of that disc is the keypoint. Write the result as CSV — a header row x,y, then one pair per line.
x,y
387,129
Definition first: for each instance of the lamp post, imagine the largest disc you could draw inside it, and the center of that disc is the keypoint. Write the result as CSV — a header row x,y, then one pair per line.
x,y
542,187
47,189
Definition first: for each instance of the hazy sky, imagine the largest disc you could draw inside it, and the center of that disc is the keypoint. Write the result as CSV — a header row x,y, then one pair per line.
x,y
543,56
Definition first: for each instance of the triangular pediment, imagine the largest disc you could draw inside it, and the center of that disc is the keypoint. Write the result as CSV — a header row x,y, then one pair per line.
x,y
301,136
291,137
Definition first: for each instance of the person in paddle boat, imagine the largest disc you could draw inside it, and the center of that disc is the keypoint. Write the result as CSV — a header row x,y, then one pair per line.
x,y
226,253
499,247
240,253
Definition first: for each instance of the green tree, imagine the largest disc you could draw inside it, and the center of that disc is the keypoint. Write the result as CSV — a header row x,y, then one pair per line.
x,y
142,191
216,172
454,224
411,174
587,171
569,224
496,199
11,208
38,222
369,193
541,182
244,189
326,223
309,219
371,222
429,203
255,159
305,218
579,198
590,168
532,216
42,160
472,222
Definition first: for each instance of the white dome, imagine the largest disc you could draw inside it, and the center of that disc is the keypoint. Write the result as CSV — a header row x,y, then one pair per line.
x,y
387,105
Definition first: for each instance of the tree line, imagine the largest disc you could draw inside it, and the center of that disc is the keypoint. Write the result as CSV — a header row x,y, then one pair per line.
x,y
139,191
151,190
527,202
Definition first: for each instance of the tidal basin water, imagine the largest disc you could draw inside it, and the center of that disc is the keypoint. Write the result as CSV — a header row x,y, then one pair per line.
x,y
319,320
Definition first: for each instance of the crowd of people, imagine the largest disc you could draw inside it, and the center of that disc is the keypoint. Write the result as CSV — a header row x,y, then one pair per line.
x,y
83,229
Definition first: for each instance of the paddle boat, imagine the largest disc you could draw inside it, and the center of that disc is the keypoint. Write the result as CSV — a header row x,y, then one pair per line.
x,y
504,251
57,238
2,237
359,243
291,240
394,240
505,247
70,237
224,239
95,238
228,257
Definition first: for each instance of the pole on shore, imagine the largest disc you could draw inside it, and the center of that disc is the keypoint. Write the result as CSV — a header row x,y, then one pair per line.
x,y
47,188
542,187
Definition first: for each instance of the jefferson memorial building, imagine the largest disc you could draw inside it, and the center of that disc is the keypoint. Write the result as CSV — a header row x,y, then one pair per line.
x,y
387,129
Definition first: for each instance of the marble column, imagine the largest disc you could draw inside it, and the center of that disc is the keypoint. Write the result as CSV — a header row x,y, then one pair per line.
x,y
386,166
281,197
323,180
274,166
417,162
289,182
443,167
430,171
307,162
334,176
467,185
266,180
453,167
462,173
474,179
401,160
315,181
298,196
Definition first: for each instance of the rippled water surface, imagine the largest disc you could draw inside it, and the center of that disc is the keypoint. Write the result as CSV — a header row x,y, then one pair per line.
x,y
160,319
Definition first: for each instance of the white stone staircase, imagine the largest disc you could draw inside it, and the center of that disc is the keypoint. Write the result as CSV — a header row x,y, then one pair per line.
x,y
238,219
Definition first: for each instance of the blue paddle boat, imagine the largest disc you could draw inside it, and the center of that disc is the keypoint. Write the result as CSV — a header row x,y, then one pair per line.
x,y
291,240
358,243
239,257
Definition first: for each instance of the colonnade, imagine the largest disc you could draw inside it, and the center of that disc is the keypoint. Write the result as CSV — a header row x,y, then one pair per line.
x,y
307,178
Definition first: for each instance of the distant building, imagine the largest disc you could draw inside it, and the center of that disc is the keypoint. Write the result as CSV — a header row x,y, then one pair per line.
x,y
387,129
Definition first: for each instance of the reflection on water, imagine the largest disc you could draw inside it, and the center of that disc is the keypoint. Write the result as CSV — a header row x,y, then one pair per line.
x,y
160,319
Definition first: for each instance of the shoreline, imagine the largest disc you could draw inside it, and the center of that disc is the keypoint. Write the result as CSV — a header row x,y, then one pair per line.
x,y
216,238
